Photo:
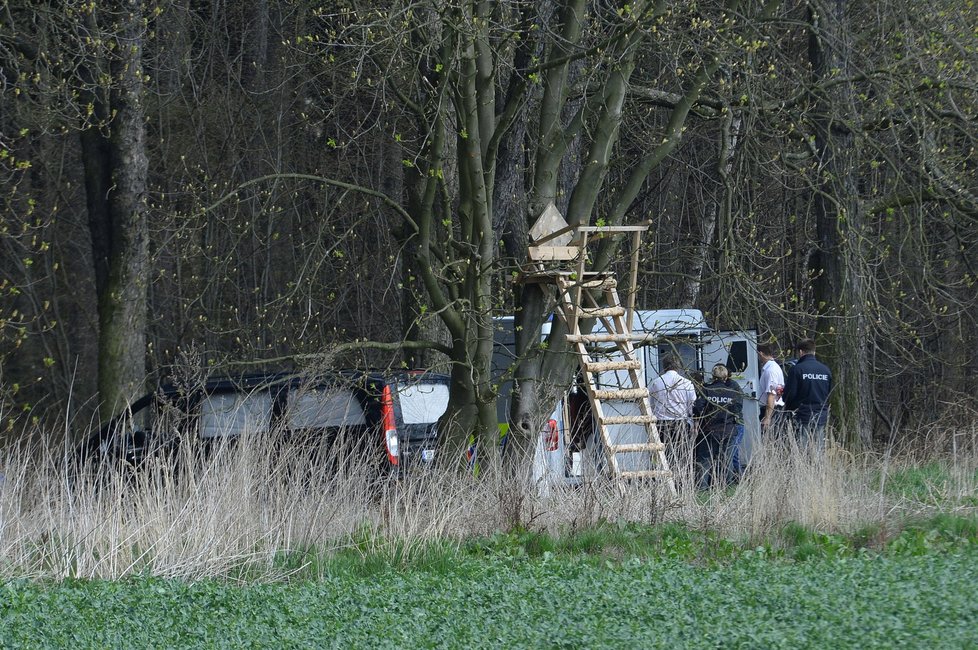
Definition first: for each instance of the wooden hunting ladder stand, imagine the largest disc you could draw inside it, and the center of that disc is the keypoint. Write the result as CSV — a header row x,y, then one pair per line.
x,y
558,255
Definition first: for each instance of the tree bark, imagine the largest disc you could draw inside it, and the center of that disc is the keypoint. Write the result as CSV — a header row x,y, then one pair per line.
x,y
719,212
116,170
840,288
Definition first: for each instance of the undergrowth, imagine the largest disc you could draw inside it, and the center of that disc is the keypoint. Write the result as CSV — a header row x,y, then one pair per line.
x,y
615,542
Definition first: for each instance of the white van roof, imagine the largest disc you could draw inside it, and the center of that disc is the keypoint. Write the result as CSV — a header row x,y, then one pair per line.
x,y
667,322
670,321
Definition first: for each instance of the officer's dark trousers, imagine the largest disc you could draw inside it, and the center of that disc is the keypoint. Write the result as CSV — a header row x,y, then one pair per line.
x,y
711,460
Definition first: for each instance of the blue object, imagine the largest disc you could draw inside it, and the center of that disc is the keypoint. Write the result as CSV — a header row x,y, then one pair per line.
x,y
736,469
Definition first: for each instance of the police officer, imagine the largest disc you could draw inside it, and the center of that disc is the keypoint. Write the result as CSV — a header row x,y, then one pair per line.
x,y
806,395
720,410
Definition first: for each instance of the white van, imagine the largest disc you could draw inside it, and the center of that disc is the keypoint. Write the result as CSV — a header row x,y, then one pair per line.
x,y
568,448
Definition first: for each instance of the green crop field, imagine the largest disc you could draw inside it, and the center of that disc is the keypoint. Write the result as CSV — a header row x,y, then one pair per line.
x,y
751,599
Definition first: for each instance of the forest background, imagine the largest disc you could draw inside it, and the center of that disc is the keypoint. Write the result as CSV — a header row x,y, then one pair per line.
x,y
228,184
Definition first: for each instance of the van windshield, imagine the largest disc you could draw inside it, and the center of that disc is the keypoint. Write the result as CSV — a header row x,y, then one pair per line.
x,y
422,403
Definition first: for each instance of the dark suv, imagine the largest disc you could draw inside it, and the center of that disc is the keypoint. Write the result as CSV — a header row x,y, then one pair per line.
x,y
392,417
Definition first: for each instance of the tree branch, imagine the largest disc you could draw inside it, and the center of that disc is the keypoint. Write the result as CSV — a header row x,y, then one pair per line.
x,y
388,201
347,347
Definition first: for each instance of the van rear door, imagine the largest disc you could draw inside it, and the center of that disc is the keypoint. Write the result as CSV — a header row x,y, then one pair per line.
x,y
738,352
419,401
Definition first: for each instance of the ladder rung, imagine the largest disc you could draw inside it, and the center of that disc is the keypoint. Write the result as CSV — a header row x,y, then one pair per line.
x,y
622,394
601,312
604,366
647,473
626,419
609,338
637,446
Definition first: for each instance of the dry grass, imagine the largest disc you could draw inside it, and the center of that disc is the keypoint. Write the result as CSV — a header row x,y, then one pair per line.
x,y
192,519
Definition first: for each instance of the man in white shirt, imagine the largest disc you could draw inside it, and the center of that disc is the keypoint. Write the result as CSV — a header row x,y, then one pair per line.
x,y
672,397
771,387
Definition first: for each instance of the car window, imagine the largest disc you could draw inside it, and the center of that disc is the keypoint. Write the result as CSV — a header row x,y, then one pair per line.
x,y
316,408
422,403
684,350
139,419
234,414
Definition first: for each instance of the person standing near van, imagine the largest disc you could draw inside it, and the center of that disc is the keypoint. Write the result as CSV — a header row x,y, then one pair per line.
x,y
672,396
771,388
720,410
806,395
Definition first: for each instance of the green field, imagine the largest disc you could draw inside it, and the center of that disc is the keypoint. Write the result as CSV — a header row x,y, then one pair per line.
x,y
749,600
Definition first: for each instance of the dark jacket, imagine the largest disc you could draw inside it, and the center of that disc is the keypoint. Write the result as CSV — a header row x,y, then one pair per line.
x,y
806,390
720,408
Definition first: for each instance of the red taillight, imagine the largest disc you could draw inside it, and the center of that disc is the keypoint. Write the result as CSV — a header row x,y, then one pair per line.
x,y
390,428
550,436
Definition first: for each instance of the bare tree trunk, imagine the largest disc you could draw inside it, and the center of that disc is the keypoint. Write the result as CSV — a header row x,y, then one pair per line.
x,y
116,169
841,276
730,137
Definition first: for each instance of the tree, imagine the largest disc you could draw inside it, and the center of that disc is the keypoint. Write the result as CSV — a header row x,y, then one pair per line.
x,y
860,89
113,149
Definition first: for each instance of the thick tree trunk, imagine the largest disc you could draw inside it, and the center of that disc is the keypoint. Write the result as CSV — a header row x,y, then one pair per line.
x,y
470,418
465,306
542,377
839,267
116,184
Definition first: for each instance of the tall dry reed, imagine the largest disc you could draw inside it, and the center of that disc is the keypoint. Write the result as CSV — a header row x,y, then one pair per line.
x,y
194,515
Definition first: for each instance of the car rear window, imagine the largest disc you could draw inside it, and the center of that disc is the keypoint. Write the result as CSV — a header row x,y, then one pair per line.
x,y
316,408
235,414
422,403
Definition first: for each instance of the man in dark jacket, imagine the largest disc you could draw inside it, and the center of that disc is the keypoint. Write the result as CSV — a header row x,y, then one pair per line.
x,y
806,395
720,411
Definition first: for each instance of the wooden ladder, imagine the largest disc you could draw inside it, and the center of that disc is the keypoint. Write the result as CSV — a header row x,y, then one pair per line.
x,y
613,351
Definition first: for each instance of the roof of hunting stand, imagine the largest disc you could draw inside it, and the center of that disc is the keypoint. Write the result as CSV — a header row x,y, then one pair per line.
x,y
557,248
